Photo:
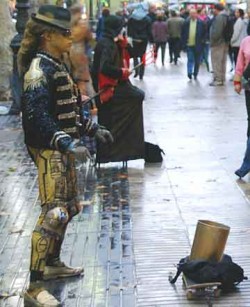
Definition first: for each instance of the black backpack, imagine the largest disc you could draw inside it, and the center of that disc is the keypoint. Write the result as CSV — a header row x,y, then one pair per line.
x,y
228,29
153,153
226,271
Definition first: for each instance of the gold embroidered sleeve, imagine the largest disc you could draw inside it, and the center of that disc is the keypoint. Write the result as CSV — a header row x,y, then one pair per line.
x,y
35,76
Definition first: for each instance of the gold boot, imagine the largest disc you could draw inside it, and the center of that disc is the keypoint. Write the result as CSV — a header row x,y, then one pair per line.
x,y
59,270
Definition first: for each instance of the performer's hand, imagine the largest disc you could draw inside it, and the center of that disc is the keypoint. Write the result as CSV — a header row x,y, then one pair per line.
x,y
104,136
81,152
125,73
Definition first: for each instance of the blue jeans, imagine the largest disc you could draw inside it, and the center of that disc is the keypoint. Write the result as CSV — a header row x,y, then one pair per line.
x,y
193,63
205,52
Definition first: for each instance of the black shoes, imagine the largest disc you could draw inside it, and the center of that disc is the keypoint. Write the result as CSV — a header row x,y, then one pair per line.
x,y
190,76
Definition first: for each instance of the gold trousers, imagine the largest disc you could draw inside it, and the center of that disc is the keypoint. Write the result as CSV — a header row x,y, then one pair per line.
x,y
58,195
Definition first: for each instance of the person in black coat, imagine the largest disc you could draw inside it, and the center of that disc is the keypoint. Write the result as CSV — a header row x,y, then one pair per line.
x,y
140,32
193,38
120,105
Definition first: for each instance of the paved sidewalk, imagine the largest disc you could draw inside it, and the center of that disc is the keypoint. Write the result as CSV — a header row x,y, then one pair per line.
x,y
137,224
203,132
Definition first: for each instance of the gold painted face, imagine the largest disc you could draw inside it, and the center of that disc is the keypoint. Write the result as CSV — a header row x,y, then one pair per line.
x,y
61,41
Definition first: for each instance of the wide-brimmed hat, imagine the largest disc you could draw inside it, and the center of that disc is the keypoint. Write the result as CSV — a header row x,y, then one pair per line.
x,y
53,16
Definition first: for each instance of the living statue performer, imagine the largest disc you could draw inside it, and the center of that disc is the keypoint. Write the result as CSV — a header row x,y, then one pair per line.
x,y
52,125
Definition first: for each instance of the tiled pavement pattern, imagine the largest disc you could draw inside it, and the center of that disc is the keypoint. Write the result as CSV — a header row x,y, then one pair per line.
x,y
100,238
136,225
203,132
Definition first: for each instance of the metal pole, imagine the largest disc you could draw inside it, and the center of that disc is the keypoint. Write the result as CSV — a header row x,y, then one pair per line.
x,y
22,7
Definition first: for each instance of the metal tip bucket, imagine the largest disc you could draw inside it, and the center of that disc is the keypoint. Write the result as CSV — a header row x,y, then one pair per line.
x,y
209,241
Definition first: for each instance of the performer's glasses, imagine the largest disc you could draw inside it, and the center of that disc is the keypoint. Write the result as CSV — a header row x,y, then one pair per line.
x,y
66,33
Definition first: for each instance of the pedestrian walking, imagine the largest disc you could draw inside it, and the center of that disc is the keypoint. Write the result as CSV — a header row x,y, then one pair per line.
x,y
139,30
51,123
239,32
174,25
203,16
232,20
160,36
242,68
193,38
219,44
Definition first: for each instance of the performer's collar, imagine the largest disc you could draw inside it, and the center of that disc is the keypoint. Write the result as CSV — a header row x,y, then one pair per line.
x,y
48,56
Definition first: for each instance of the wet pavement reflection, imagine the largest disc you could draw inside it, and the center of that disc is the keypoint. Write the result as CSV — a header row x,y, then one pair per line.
x,y
100,238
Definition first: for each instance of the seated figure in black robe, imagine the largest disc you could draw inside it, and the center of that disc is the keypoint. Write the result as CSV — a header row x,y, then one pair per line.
x,y
120,103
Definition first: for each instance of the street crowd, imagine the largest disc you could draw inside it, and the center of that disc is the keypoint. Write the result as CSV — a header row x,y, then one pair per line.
x,y
196,31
